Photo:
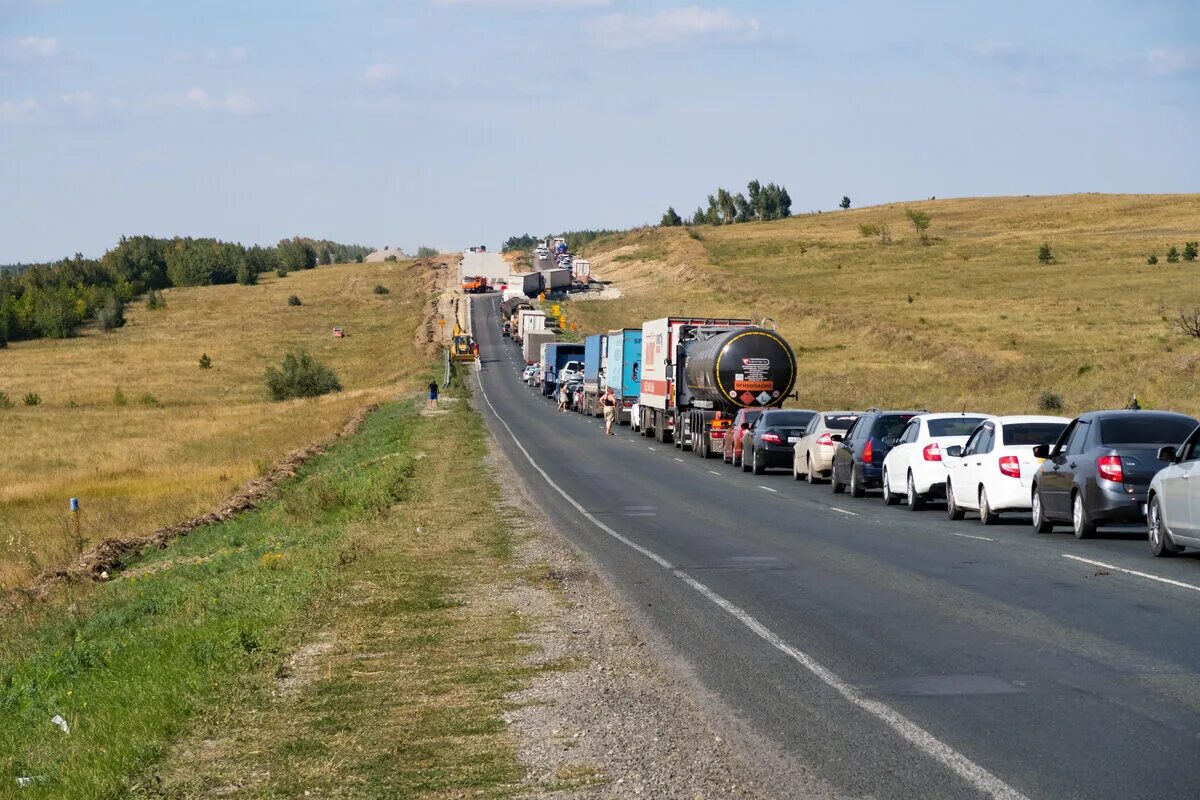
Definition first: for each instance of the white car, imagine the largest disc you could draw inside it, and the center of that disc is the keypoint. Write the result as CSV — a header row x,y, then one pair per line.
x,y
993,471
571,371
1173,503
529,372
913,468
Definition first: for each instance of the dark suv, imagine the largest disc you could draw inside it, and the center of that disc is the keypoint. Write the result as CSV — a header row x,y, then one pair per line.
x,y
1099,471
858,460
771,440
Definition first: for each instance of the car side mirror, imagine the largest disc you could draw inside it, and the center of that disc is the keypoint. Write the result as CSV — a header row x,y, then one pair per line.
x,y
745,426
837,437
1041,451
1166,453
954,451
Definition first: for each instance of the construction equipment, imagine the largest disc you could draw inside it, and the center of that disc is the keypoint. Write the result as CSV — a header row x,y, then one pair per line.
x,y
474,284
464,349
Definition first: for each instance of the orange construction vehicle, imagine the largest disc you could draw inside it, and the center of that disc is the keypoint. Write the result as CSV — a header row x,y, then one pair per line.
x,y
474,284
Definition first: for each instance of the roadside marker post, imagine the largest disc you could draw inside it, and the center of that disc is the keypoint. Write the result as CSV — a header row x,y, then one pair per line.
x,y
74,506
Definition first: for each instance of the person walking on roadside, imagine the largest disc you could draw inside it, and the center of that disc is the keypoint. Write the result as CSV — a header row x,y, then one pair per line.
x,y
564,394
433,394
609,403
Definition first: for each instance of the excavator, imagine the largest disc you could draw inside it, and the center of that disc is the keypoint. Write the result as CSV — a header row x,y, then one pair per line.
x,y
464,348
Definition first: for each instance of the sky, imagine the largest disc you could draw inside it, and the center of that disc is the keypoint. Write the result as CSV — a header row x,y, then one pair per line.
x,y
454,122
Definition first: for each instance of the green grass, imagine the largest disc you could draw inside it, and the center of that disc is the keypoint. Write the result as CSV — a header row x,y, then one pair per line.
x,y
170,675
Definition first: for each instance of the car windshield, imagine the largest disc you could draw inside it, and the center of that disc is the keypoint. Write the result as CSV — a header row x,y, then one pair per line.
x,y
1145,429
891,425
953,426
839,422
788,419
1033,432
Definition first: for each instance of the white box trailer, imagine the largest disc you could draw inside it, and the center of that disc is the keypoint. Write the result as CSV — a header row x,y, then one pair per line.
x,y
511,292
531,348
557,279
581,269
529,320
529,283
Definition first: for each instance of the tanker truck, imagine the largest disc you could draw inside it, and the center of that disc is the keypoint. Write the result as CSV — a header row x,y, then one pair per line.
x,y
697,372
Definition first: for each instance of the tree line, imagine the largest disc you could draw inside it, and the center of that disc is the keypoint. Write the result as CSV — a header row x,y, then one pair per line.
x,y
576,240
759,203
53,299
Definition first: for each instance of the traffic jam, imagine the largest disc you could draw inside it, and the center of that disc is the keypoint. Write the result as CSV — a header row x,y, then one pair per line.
x,y
718,387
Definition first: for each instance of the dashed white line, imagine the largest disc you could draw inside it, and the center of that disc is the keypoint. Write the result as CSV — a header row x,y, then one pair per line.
x,y
914,734
844,511
1146,575
680,460
768,489
969,536
714,472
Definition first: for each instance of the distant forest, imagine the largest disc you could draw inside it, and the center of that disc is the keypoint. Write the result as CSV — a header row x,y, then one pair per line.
x,y
53,299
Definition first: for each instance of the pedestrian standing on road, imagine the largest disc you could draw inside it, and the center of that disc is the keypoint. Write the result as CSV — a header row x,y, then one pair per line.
x,y
609,403
433,394
564,394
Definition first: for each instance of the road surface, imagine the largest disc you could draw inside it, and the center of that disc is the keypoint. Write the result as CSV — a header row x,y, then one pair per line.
x,y
897,654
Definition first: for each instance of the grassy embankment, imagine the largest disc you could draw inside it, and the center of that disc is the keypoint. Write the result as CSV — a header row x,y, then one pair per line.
x,y
970,319
186,437
345,640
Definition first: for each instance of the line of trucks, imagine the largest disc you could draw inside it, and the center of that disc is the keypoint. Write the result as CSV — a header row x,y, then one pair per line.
x,y
679,379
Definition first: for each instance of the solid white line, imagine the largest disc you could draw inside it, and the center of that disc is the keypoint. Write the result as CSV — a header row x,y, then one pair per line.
x,y
969,536
844,511
924,741
768,489
1168,581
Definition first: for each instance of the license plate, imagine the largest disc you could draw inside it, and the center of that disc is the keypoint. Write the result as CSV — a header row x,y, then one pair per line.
x,y
793,439
718,445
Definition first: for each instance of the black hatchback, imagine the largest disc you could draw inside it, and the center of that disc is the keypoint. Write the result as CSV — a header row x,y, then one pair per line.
x,y
858,459
1100,469
771,441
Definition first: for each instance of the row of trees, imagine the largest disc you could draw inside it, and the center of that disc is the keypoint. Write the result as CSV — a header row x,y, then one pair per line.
x,y
760,203
576,240
53,299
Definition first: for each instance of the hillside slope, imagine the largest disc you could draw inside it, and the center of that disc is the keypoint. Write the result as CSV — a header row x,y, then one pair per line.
x,y
971,319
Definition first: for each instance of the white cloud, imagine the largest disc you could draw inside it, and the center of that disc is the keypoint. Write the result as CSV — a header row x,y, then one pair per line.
x,y
674,26
82,100
532,4
1169,61
993,49
196,98
378,73
34,46
239,103
19,110
212,55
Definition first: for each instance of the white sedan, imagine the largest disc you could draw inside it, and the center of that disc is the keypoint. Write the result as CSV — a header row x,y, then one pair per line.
x,y
994,470
1173,505
913,468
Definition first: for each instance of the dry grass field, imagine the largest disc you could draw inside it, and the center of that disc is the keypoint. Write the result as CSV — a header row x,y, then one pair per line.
x,y
186,437
971,319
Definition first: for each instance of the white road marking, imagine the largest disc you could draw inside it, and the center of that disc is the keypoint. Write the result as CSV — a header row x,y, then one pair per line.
x,y
844,511
649,447
1167,581
714,472
768,489
680,460
908,730
969,536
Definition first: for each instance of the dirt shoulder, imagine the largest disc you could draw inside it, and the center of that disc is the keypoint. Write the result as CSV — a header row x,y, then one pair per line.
x,y
630,719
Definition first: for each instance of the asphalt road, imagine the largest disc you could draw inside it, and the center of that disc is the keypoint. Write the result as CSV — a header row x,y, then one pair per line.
x,y
897,654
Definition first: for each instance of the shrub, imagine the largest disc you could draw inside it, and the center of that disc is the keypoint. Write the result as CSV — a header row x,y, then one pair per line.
x,y
881,231
845,204
32,399
119,397
5,402
426,252
281,272
300,376
148,400
1050,402
1152,260
380,289
1172,255
111,312
389,258
205,361
293,300
1044,254
1189,250
246,275
695,234
155,300
1189,323
920,222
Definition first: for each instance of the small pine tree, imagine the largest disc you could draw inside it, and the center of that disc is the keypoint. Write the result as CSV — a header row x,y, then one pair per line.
x,y
1189,250
300,376
380,289
1152,260
32,399
205,361
670,219
281,272
1044,254
845,204
155,300
293,300
1172,255
920,222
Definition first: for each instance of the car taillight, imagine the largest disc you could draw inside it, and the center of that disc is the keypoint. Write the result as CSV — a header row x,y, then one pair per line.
x,y
1010,466
868,452
1110,468
773,438
932,452
825,439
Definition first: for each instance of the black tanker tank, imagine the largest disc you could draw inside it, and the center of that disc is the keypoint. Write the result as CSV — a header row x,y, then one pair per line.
x,y
745,368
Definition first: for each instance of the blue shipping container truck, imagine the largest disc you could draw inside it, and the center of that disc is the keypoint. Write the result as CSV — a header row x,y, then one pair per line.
x,y
593,372
557,356
623,369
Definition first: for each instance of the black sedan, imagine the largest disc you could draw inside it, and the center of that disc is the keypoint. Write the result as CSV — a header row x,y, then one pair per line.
x,y
771,440
1100,469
